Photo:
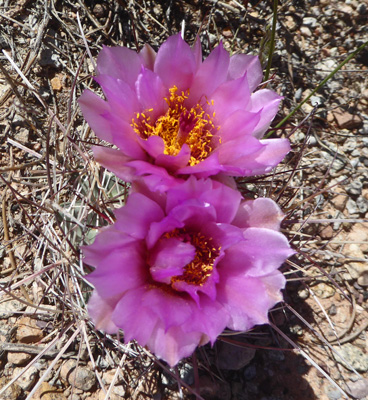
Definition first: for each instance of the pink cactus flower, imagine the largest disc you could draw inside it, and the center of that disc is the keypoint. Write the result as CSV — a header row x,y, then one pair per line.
x,y
179,267
172,115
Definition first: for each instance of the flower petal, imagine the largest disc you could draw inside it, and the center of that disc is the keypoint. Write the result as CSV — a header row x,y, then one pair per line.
x,y
151,93
174,344
100,311
121,98
229,97
211,74
175,63
168,259
148,56
121,270
115,161
136,217
119,62
267,102
246,63
259,213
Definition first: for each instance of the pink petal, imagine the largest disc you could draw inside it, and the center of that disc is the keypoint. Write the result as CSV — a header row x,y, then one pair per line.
x,y
157,178
211,74
136,217
115,161
96,111
121,98
259,213
246,300
151,93
169,258
174,344
271,154
100,310
171,309
107,240
148,56
197,52
262,252
267,102
246,63
121,270
208,167
210,318
172,163
154,146
229,97
175,63
137,321
239,123
119,62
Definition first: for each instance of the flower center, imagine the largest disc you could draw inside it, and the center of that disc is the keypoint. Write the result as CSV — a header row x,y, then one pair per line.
x,y
180,125
198,270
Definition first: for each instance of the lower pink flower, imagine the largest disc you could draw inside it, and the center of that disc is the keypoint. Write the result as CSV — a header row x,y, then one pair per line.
x,y
179,267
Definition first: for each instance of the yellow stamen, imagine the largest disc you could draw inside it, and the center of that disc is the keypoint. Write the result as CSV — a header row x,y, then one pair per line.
x,y
180,125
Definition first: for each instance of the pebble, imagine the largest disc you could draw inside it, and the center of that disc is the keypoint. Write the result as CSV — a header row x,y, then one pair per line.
x,y
250,372
214,389
310,21
362,204
81,377
340,201
48,392
352,207
28,331
363,278
29,377
358,389
234,357
9,307
354,188
305,31
18,358
353,355
346,120
11,393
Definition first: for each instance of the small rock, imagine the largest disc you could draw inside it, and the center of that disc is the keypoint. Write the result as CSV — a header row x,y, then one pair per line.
x,y
363,278
353,355
48,392
22,136
9,307
323,290
28,331
234,357
11,393
99,10
362,204
310,21
81,377
29,377
56,84
290,23
352,207
211,389
345,120
327,232
250,372
358,389
340,201
305,31
18,358
354,188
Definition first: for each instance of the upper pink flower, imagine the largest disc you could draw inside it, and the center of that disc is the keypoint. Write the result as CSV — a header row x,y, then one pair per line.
x,y
178,267
172,115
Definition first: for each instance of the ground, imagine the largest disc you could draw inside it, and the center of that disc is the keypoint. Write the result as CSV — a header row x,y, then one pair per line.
x,y
53,195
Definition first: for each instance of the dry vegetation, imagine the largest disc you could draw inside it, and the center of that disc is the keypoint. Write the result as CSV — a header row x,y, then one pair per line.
x,y
54,196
